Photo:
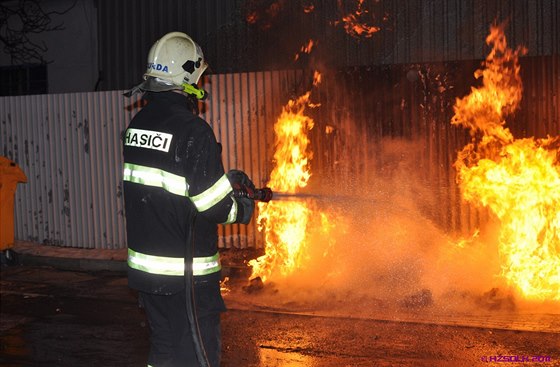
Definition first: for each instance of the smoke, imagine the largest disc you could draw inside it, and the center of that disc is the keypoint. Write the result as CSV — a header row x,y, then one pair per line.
x,y
374,246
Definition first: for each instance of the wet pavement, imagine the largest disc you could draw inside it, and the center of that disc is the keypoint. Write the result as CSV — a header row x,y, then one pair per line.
x,y
83,316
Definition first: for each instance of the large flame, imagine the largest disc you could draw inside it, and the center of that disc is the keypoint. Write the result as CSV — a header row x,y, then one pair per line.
x,y
286,223
517,179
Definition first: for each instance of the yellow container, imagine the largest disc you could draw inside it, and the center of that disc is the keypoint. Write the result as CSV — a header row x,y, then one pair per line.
x,y
10,176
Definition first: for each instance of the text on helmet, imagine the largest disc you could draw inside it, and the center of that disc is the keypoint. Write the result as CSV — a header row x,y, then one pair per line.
x,y
158,67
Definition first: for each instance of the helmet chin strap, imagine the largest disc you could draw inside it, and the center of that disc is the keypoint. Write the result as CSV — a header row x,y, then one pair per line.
x,y
199,93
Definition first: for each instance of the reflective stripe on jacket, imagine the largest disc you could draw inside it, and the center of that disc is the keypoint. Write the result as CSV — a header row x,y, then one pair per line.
x,y
175,266
178,185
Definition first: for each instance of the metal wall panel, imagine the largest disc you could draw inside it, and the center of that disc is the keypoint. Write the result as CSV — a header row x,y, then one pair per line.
x,y
411,31
128,28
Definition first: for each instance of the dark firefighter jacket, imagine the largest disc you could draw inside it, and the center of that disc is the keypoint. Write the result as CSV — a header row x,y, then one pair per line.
x,y
172,172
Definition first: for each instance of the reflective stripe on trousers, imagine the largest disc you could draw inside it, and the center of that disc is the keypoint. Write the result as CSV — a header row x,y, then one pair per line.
x,y
163,265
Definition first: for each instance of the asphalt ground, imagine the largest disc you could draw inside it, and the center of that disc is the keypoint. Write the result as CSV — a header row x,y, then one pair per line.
x,y
75,311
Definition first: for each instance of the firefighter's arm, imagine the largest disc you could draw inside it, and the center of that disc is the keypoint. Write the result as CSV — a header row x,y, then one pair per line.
x,y
246,206
210,189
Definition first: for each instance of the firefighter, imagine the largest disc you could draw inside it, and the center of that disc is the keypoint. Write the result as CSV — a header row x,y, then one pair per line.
x,y
176,193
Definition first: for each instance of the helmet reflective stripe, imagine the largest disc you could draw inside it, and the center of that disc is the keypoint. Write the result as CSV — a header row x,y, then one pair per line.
x,y
232,213
175,266
143,175
213,195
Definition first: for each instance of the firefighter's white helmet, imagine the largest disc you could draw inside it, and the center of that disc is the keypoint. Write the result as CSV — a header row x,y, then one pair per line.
x,y
176,58
175,62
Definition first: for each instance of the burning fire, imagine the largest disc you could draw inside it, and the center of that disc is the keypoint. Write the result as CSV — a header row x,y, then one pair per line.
x,y
517,179
306,49
354,26
263,13
286,223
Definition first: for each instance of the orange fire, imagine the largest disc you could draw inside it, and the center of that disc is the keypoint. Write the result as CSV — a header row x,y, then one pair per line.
x,y
308,8
354,25
263,14
286,223
517,179
306,49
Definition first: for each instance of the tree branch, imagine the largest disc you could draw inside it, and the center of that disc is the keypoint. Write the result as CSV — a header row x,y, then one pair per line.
x,y
17,24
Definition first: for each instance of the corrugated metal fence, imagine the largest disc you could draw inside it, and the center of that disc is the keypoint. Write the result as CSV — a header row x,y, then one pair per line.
x,y
69,147
382,132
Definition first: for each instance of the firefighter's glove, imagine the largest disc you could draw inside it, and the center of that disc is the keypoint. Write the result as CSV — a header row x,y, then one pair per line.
x,y
245,209
240,180
243,190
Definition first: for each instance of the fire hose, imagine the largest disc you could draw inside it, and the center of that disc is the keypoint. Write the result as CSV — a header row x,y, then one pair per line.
x,y
262,194
266,194
190,303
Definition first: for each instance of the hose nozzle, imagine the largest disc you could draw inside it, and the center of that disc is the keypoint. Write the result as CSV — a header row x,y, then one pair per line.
x,y
263,194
